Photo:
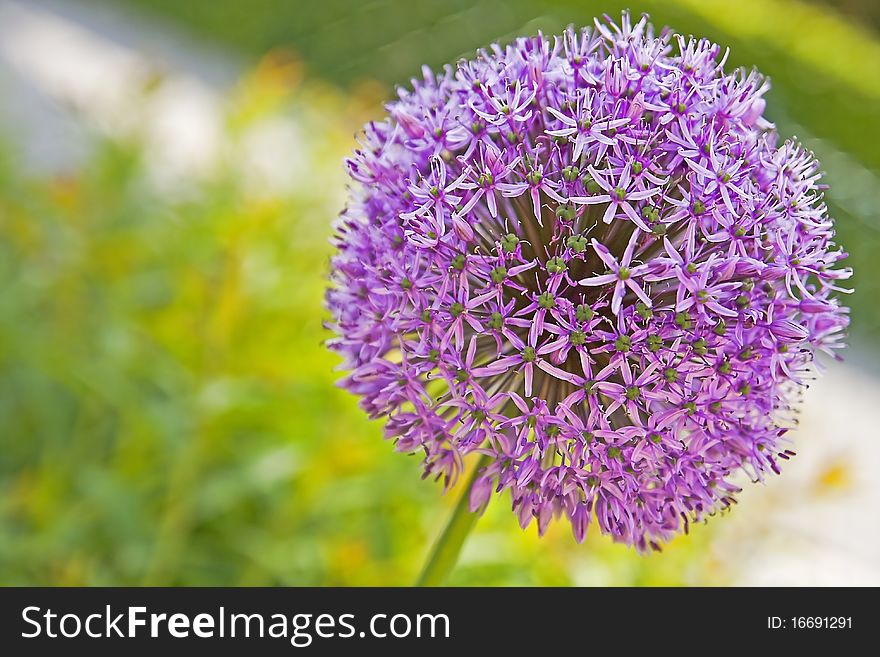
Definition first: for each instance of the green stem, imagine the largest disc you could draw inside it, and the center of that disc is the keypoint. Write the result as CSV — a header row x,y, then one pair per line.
x,y
445,551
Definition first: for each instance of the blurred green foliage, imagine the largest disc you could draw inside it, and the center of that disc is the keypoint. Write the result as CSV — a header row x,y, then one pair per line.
x,y
168,413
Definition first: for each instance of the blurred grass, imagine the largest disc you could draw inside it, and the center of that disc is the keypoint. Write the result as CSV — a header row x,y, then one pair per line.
x,y
167,409
169,415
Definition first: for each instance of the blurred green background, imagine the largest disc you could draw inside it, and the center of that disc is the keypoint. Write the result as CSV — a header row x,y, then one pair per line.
x,y
168,414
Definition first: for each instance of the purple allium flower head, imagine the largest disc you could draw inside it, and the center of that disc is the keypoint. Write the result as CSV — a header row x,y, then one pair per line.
x,y
588,258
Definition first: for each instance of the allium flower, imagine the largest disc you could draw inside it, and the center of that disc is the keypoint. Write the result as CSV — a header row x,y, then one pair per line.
x,y
589,259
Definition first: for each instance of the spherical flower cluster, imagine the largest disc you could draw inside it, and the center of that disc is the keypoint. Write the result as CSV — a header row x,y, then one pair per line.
x,y
588,259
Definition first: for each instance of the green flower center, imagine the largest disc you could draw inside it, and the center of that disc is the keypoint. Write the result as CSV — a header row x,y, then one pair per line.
x,y
583,313
570,173
590,184
499,274
556,265
566,212
577,243
509,242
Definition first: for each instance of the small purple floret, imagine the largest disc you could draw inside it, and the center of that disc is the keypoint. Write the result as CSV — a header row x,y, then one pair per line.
x,y
588,258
